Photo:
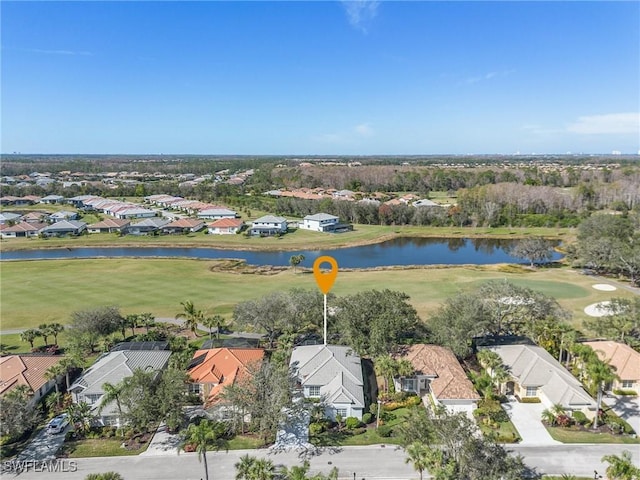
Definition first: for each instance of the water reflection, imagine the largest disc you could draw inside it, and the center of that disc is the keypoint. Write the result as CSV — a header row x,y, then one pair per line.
x,y
399,251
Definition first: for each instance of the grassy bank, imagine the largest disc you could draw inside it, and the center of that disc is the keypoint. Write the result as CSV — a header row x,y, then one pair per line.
x,y
34,292
296,240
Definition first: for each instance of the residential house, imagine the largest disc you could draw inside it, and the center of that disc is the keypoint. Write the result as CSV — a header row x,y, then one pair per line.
x,y
51,199
8,217
268,225
320,222
438,374
132,211
35,217
147,226
332,373
112,368
212,370
624,359
109,225
64,227
536,374
183,225
63,215
22,229
216,213
29,370
225,226
425,202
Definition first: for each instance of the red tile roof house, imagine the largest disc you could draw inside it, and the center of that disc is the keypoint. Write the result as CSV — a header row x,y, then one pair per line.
x,y
437,374
183,225
214,369
624,359
27,370
225,226
22,229
109,225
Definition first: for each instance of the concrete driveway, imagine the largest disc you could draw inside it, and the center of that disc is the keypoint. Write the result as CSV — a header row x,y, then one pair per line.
x,y
43,446
627,408
527,419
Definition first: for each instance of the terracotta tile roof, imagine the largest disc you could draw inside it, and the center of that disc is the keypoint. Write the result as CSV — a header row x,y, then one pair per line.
x,y
624,358
451,381
25,370
221,366
110,223
226,223
184,223
25,227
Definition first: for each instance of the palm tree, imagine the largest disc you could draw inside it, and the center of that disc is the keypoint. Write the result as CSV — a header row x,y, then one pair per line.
x,y
499,375
621,467
146,320
112,394
600,373
192,317
30,335
53,373
418,455
488,359
81,416
296,260
132,322
548,417
263,469
206,435
385,367
244,466
45,332
215,321
55,329
296,472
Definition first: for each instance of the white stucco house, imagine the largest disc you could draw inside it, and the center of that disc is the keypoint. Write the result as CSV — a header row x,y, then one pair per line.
x,y
320,222
269,225
333,374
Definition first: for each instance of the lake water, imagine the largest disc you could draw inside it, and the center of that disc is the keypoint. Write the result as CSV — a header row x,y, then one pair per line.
x,y
399,251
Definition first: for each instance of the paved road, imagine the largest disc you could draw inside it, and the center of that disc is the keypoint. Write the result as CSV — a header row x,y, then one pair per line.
x,y
370,463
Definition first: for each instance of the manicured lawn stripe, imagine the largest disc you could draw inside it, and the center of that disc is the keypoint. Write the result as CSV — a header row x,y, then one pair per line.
x,y
34,292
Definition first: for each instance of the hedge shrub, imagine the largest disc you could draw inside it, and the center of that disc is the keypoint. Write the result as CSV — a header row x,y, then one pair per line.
x,y
530,400
618,391
352,422
367,418
385,431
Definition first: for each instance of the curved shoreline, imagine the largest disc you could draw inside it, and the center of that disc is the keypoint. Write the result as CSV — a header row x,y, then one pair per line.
x,y
77,243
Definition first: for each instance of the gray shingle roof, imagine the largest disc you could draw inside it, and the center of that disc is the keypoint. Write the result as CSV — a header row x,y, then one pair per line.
x,y
336,369
534,366
321,216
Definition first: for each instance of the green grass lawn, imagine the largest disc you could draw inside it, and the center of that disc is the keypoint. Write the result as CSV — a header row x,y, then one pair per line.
x,y
369,437
245,442
99,447
566,435
48,291
505,433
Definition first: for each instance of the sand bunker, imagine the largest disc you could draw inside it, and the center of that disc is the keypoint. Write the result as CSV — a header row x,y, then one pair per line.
x,y
598,309
605,287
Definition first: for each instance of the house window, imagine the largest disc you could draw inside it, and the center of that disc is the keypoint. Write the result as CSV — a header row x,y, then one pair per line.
x,y
627,383
92,398
342,412
532,391
195,388
409,384
314,391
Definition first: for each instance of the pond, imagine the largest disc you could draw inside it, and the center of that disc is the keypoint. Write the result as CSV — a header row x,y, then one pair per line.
x,y
399,251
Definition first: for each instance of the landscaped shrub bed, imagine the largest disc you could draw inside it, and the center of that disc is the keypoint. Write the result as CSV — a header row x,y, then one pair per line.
x,y
631,393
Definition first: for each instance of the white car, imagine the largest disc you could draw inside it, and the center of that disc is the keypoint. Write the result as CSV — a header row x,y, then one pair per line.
x,y
58,424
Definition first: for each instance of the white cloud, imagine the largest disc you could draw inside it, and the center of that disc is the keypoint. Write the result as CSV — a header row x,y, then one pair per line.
x,y
364,130
360,12
610,123
348,136
51,52
487,76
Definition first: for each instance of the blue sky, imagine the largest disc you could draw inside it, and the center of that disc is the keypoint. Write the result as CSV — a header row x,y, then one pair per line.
x,y
325,78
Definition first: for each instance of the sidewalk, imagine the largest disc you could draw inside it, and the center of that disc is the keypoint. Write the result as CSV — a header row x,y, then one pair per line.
x,y
162,443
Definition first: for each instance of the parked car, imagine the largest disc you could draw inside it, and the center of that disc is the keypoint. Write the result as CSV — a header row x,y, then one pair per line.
x,y
58,424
